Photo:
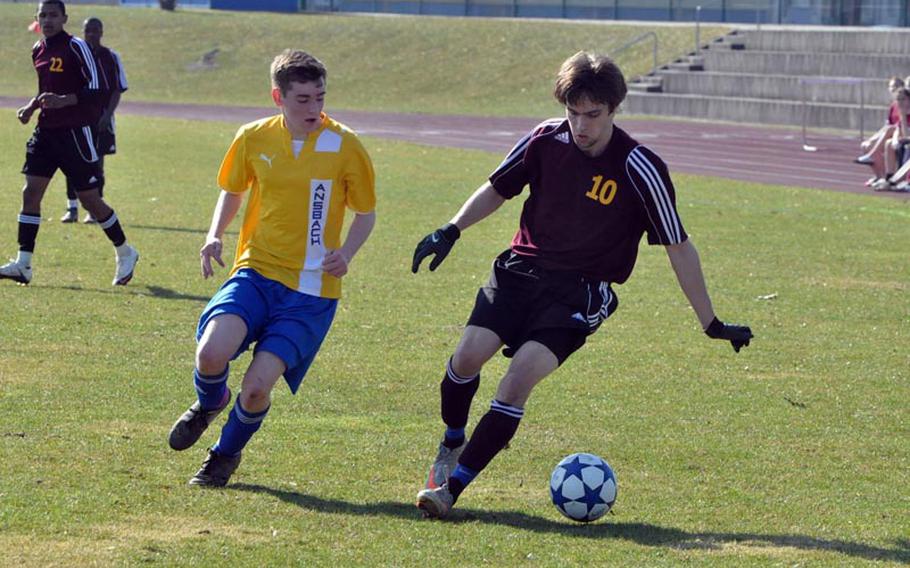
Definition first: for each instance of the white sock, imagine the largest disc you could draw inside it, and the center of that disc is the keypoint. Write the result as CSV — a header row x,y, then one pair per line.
x,y
123,250
24,258
72,203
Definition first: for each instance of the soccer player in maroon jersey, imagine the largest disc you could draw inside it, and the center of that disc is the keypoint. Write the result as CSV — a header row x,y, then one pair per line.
x,y
68,97
594,191
113,85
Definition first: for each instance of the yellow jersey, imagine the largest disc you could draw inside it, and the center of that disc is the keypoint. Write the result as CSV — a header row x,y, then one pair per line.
x,y
296,207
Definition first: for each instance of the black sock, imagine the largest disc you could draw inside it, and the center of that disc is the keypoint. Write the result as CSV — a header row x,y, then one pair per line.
x,y
28,230
456,394
491,435
455,487
112,229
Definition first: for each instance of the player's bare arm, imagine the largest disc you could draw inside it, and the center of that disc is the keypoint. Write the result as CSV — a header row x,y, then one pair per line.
x,y
54,101
225,210
108,114
482,203
686,264
336,261
24,114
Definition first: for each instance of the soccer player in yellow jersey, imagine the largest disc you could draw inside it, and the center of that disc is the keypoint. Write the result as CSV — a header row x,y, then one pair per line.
x,y
301,170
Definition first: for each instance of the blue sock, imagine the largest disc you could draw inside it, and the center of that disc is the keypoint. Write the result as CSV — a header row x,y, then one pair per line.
x,y
454,437
211,388
460,478
239,428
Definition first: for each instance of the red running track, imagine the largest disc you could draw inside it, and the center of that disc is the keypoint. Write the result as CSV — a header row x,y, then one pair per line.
x,y
732,151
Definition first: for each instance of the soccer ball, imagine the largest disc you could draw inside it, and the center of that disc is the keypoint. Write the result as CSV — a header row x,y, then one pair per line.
x,y
583,487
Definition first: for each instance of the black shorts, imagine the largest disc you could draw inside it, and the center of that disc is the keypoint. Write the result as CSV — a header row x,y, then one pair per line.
x,y
72,150
521,302
106,140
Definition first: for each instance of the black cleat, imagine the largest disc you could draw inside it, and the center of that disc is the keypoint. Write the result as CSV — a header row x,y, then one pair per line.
x,y
71,216
216,470
190,426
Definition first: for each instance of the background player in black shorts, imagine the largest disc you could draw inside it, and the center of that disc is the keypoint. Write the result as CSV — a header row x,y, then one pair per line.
x,y
594,191
68,96
112,78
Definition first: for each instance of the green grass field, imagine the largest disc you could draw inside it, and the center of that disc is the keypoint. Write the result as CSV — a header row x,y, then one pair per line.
x,y
405,64
792,453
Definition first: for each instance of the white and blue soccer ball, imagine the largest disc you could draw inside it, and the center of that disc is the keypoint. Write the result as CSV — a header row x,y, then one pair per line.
x,y
583,487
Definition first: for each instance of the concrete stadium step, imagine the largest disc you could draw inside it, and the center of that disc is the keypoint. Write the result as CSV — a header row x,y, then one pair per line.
x,y
827,40
787,87
756,110
764,74
807,63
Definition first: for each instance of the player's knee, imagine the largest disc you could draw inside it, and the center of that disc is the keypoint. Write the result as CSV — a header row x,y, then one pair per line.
x,y
211,359
254,397
466,362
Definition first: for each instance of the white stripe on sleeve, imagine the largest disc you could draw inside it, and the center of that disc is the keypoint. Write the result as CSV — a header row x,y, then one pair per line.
x,y
121,72
84,51
659,194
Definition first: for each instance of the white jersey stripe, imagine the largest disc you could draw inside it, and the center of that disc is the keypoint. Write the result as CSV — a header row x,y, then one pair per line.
x,y
650,185
664,196
659,193
91,142
657,189
86,54
121,72
310,277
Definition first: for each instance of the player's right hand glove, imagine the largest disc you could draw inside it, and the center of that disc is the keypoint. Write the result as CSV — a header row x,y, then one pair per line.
x,y
438,243
737,335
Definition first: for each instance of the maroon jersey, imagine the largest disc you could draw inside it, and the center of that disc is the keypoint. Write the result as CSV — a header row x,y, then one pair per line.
x,y
65,66
110,73
583,214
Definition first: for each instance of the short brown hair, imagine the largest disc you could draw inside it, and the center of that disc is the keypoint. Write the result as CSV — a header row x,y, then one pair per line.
x,y
596,77
294,65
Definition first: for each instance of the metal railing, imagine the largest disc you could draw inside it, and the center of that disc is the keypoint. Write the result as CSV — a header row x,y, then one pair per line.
x,y
806,81
635,41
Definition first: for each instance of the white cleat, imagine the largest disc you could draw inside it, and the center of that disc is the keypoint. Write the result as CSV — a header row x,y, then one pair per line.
x,y
435,503
443,465
15,271
126,264
71,216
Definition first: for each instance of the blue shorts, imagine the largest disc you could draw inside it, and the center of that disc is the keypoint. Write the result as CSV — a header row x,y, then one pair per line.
x,y
284,322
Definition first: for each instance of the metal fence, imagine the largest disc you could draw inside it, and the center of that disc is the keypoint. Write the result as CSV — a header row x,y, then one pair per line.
x,y
811,12
893,13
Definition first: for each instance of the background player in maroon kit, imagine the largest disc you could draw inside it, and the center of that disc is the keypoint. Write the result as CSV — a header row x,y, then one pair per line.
x,y
113,83
594,191
68,96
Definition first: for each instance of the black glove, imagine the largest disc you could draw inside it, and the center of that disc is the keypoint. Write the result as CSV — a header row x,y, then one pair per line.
x,y
738,335
439,242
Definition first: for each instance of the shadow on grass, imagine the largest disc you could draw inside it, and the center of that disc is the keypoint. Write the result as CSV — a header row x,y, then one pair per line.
x,y
202,231
640,533
154,291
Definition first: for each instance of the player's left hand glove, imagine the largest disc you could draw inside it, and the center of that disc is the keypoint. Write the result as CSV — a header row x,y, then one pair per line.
x,y
439,243
737,335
